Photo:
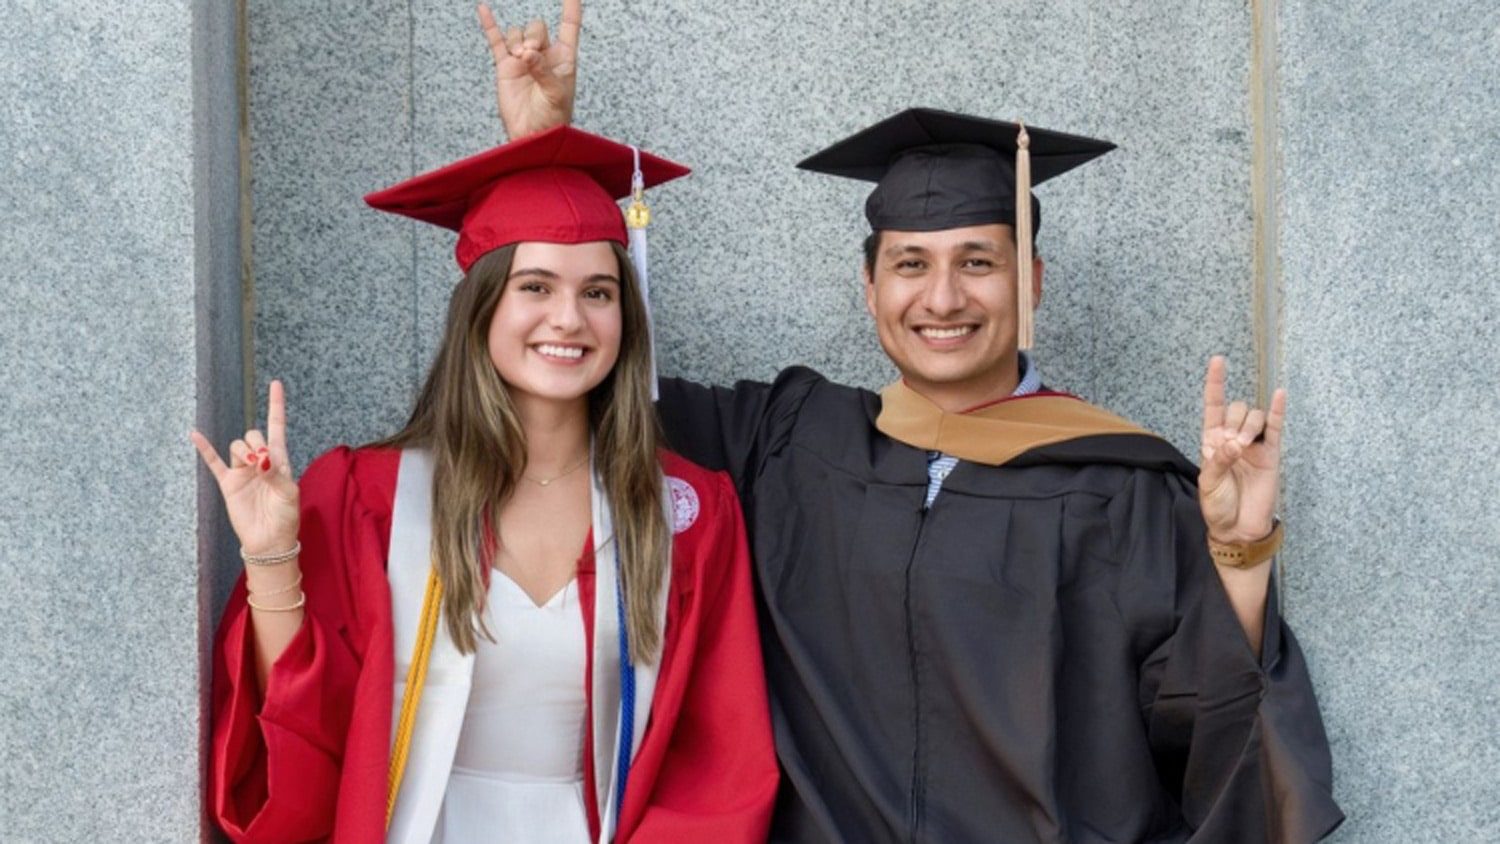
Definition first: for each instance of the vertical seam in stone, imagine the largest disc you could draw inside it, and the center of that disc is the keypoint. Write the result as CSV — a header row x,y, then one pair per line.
x,y
411,137
1264,179
223,310
1265,187
247,206
203,395
1090,287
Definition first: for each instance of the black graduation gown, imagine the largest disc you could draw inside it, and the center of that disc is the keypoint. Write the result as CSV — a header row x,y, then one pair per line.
x,y
1047,654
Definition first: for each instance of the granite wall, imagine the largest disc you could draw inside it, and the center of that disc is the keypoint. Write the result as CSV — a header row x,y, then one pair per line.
x,y
754,264
119,331
1308,189
1389,128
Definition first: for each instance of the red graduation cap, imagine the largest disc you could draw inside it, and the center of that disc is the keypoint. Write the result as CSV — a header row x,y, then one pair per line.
x,y
557,186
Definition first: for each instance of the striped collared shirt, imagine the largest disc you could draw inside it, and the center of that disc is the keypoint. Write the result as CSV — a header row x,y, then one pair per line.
x,y
940,465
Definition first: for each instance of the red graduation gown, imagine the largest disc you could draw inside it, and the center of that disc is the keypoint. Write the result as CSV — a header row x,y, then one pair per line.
x,y
310,762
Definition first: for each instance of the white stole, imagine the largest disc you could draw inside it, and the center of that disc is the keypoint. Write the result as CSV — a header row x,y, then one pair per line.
x,y
445,694
606,683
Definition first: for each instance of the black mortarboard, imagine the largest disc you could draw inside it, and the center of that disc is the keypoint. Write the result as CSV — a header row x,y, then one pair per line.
x,y
939,170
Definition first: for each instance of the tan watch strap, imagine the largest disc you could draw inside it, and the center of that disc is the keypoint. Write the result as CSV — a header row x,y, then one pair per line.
x,y
1250,555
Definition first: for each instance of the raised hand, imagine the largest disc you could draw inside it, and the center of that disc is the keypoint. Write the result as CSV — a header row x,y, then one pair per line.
x,y
1237,483
535,78
259,492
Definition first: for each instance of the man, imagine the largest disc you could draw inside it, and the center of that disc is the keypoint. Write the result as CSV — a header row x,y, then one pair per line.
x,y
991,612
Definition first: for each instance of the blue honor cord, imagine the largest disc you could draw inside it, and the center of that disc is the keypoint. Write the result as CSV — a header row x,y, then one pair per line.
x,y
627,695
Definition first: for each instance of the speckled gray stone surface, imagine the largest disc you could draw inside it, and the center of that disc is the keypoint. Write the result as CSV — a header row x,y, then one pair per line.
x,y
99,584
760,263
754,263
114,270
1390,126
1150,266
331,111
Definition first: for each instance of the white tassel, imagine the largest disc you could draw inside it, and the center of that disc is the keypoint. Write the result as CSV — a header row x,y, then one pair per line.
x,y
637,218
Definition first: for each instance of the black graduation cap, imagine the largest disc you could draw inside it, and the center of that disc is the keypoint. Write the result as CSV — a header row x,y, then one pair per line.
x,y
939,170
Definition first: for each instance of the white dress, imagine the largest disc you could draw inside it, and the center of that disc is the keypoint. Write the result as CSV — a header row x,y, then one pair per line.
x,y
518,773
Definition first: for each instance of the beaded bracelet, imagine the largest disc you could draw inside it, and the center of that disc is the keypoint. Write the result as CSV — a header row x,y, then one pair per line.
x,y
272,559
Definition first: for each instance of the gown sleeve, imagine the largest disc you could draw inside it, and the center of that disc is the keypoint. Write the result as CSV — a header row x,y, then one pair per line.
x,y
1238,742
277,759
717,776
732,429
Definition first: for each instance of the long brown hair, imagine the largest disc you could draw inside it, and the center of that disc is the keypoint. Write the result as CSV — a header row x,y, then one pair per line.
x,y
465,417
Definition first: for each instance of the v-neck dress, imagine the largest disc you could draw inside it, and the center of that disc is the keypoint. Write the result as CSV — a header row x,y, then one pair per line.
x,y
518,773
305,756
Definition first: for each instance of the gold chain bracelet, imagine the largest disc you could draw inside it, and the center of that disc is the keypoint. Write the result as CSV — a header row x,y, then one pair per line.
x,y
301,602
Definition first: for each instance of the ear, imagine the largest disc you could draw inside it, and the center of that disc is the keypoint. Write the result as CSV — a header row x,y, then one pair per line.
x,y
1036,282
864,272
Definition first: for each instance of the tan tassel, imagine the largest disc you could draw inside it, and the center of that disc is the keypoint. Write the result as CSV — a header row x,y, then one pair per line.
x,y
1025,305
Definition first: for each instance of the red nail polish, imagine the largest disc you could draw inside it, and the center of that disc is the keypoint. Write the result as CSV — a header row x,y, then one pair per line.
x,y
265,464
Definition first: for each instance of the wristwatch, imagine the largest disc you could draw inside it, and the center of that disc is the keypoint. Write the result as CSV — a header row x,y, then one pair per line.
x,y
1249,555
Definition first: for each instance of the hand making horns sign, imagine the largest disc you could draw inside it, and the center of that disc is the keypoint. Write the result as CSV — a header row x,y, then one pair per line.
x,y
1241,450
535,78
259,492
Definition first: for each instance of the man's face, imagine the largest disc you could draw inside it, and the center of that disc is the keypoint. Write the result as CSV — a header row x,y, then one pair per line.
x,y
944,304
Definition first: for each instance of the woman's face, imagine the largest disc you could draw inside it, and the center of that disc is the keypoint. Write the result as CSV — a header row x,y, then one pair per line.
x,y
555,334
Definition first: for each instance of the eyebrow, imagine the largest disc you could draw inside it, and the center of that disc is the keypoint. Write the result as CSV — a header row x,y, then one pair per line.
x,y
980,246
967,246
537,271
903,249
552,276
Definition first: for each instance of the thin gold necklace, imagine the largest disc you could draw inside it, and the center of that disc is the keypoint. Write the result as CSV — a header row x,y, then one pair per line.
x,y
566,472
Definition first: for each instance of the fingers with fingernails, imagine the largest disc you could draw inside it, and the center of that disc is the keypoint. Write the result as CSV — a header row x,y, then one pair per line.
x,y
1230,428
534,74
262,451
536,36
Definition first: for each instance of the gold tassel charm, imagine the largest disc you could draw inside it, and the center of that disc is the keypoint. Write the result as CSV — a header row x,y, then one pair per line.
x,y
637,218
638,214
1025,302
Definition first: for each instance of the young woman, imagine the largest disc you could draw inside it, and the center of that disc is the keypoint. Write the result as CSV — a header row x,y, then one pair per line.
x,y
552,616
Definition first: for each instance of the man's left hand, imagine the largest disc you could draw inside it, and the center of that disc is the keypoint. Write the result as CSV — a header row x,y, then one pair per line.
x,y
1241,450
535,78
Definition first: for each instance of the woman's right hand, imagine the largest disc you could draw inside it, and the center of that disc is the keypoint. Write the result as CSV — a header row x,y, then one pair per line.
x,y
259,492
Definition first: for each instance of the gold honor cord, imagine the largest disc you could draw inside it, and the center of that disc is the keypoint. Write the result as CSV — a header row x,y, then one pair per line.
x,y
416,677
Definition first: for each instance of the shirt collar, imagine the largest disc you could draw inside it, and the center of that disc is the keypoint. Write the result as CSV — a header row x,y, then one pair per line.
x,y
1031,377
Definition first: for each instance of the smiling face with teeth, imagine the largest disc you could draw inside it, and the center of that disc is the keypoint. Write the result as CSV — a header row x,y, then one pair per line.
x,y
944,304
555,333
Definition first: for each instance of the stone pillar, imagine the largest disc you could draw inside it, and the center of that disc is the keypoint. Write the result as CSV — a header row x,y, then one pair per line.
x,y
1390,344
119,331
